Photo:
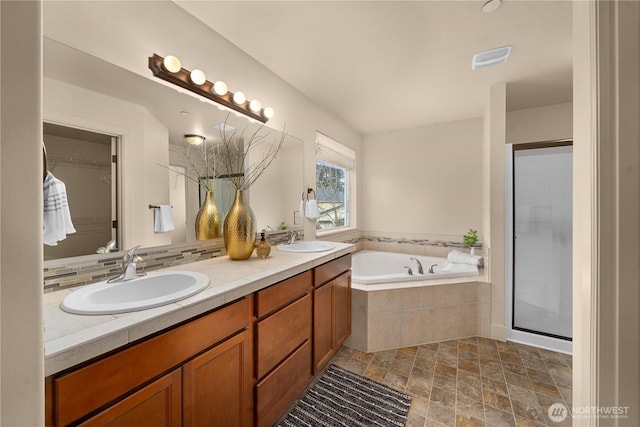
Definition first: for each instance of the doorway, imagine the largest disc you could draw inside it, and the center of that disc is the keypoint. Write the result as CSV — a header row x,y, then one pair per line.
x,y
85,162
539,244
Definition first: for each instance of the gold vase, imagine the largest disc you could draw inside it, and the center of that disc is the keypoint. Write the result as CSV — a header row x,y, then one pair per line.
x,y
208,219
239,229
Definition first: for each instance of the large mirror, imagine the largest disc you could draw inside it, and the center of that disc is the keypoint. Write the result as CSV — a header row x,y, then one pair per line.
x,y
96,112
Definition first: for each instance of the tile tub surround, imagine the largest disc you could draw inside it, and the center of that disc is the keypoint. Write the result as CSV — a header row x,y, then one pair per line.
x,y
471,382
408,243
71,272
71,339
439,310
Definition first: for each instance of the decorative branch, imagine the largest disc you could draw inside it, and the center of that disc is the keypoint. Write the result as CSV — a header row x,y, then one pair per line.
x,y
236,147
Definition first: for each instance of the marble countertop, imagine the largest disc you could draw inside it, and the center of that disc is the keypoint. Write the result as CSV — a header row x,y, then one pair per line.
x,y
71,338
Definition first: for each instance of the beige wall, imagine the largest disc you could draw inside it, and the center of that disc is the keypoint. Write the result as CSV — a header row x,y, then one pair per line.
x,y
144,145
493,202
584,201
424,180
547,123
616,246
21,347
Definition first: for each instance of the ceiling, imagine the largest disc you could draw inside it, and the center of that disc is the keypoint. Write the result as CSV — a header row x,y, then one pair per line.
x,y
385,65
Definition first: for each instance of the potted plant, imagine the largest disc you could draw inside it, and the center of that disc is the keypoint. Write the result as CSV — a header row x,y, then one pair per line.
x,y
470,239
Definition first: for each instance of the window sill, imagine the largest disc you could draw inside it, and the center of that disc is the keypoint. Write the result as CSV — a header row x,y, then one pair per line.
x,y
335,231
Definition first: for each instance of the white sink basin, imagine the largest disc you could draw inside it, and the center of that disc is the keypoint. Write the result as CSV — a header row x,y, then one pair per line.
x,y
149,291
307,246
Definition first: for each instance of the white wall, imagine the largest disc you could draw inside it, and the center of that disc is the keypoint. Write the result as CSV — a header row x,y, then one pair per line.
x,y
540,124
424,180
21,346
127,33
144,145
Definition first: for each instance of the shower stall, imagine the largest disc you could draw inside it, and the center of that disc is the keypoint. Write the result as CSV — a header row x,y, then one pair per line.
x,y
539,244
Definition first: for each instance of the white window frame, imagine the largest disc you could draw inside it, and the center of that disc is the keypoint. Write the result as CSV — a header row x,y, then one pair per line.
x,y
333,152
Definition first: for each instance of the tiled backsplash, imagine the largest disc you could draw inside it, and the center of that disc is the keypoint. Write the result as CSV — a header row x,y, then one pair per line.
x,y
71,272
418,244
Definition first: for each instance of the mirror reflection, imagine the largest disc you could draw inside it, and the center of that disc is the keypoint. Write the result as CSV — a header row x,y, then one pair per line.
x,y
96,112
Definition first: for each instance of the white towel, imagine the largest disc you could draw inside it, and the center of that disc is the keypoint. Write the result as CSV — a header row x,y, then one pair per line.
x,y
458,257
163,219
56,218
312,209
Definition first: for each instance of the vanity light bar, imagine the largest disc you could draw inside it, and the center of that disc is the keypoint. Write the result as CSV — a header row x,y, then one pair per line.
x,y
191,81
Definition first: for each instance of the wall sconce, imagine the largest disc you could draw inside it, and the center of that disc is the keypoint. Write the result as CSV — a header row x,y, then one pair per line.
x,y
194,139
170,69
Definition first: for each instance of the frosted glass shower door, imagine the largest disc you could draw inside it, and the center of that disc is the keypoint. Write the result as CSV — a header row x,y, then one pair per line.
x,y
542,297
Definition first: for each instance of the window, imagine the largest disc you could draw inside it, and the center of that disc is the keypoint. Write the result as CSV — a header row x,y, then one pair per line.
x,y
335,175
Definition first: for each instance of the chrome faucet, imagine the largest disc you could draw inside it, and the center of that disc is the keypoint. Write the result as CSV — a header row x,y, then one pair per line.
x,y
431,268
420,269
129,267
409,270
292,236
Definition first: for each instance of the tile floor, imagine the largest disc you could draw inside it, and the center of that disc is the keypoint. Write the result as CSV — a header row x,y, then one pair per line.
x,y
471,381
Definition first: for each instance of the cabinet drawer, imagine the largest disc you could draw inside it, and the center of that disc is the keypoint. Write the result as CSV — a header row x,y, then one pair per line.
x,y
275,393
277,296
325,272
281,333
101,382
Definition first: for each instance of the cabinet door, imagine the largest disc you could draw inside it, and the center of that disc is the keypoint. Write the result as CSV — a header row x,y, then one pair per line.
x,y
342,310
217,385
322,325
157,404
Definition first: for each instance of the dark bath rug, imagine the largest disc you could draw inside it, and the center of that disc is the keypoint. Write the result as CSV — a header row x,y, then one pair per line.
x,y
342,398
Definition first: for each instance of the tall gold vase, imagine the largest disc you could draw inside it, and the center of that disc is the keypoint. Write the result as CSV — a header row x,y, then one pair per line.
x,y
208,219
239,229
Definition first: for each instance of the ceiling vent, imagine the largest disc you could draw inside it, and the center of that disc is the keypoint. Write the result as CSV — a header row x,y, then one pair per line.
x,y
490,57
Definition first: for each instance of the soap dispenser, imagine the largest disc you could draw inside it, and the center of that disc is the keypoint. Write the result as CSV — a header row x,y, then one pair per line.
x,y
263,248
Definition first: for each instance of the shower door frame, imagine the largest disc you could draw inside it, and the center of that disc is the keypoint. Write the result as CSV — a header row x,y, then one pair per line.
x,y
522,335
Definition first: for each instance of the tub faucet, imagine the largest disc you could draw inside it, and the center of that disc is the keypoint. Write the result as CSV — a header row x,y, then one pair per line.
x,y
129,267
409,270
292,236
431,268
420,269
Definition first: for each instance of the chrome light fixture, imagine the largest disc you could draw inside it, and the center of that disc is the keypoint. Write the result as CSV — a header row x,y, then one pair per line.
x,y
170,69
194,139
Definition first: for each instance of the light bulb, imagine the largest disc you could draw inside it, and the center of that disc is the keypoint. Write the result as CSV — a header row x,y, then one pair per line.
x,y
198,77
239,98
220,88
172,64
268,113
255,106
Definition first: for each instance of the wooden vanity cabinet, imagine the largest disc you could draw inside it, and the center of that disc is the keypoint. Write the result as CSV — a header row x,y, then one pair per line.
x,y
331,309
240,365
283,345
199,373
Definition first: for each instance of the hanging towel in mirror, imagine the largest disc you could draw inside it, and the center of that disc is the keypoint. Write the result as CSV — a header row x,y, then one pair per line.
x,y
56,218
163,219
312,209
